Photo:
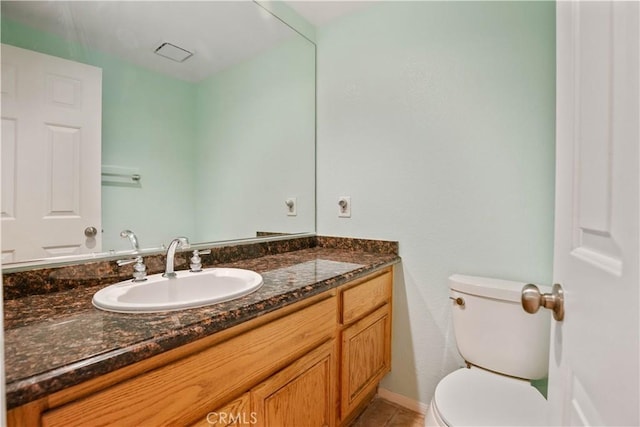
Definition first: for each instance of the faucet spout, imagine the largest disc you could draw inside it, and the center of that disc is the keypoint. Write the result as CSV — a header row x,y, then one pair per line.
x,y
178,242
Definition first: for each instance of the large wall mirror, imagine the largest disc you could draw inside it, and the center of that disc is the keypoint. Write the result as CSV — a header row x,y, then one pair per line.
x,y
203,115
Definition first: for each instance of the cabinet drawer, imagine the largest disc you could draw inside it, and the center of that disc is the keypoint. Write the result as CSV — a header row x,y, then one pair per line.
x,y
366,297
185,391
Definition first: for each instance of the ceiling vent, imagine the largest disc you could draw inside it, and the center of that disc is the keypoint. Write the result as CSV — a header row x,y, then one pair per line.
x,y
173,52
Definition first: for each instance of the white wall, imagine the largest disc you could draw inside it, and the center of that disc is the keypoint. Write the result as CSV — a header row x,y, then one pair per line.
x,y
437,118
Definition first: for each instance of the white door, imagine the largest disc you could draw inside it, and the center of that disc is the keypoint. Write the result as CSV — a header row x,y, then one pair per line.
x,y
594,376
51,151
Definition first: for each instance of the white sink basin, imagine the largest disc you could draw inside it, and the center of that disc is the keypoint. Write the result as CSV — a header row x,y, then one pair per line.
x,y
187,290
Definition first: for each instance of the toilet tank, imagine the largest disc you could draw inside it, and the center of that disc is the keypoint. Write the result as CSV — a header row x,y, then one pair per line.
x,y
494,332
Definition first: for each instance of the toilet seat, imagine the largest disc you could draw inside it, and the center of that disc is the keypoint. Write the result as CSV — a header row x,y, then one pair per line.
x,y
475,397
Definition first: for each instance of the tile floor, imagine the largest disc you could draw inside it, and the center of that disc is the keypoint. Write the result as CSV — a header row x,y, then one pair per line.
x,y
382,413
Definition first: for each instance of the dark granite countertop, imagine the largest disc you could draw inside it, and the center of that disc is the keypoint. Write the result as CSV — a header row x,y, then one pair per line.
x,y
57,340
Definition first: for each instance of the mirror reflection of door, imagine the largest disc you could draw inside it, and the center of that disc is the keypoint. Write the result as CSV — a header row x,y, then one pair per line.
x,y
51,139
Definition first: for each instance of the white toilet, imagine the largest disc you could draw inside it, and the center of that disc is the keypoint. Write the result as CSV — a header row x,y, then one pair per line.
x,y
505,347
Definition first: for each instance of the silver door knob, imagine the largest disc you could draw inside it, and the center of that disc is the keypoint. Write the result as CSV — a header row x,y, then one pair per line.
x,y
532,300
90,231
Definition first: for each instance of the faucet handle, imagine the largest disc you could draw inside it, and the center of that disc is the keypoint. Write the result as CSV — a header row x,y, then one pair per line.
x,y
196,261
122,262
139,269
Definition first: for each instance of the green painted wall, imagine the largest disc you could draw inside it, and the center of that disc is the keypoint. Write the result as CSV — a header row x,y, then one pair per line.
x,y
255,144
438,119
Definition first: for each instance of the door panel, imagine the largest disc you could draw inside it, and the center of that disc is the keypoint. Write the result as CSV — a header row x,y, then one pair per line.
x,y
594,375
51,150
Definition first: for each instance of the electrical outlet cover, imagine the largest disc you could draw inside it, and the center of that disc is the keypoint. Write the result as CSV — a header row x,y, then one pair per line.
x,y
292,206
344,207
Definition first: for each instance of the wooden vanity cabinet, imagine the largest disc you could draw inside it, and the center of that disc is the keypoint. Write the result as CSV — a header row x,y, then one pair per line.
x,y
314,363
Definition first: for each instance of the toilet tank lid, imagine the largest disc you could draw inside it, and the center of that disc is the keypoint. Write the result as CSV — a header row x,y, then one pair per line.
x,y
505,290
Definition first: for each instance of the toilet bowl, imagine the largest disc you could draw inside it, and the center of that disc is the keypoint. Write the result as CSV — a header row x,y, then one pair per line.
x,y
475,397
504,347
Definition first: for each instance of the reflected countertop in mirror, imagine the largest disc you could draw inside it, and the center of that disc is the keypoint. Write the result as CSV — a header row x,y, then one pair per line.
x,y
217,143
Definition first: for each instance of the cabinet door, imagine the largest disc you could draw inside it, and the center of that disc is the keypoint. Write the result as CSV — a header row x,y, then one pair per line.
x,y
300,395
234,414
366,357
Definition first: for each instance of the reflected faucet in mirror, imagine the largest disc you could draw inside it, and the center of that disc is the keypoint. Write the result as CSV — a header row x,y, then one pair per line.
x,y
133,239
178,242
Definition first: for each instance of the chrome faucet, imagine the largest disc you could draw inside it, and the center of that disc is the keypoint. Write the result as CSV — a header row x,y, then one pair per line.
x,y
178,242
132,239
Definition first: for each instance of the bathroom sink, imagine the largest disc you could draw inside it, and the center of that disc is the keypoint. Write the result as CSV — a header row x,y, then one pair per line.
x,y
186,290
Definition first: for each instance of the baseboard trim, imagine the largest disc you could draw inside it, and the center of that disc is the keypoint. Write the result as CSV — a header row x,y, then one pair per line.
x,y
404,401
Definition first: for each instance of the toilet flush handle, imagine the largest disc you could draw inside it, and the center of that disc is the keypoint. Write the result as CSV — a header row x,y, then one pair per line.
x,y
532,300
458,301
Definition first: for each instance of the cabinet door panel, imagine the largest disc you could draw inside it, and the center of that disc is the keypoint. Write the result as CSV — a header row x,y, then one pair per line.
x,y
301,395
365,356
